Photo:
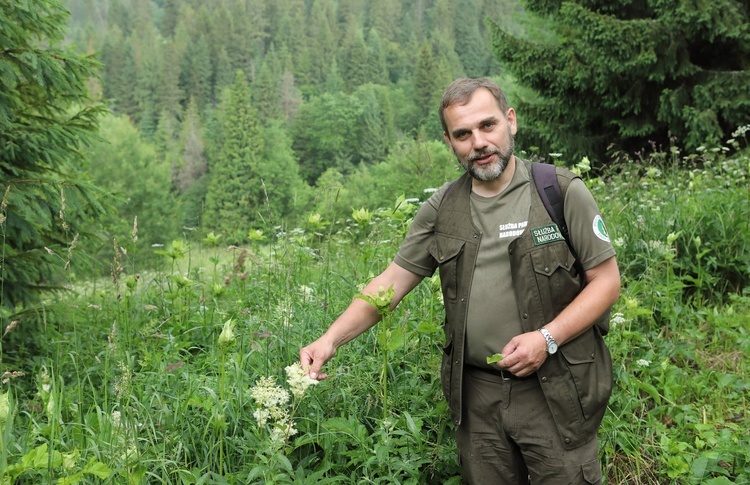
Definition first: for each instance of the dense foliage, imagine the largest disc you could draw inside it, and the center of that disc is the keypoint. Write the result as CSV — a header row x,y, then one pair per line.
x,y
45,120
624,73
326,90
178,375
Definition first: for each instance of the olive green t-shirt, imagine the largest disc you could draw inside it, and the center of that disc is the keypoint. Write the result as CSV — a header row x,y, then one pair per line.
x,y
493,317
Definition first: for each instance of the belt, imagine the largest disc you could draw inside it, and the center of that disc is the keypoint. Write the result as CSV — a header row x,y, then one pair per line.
x,y
502,374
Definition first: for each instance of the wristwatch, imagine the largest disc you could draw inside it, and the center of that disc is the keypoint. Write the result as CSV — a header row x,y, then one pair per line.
x,y
551,344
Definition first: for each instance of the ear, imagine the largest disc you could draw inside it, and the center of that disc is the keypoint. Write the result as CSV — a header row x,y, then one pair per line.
x,y
512,121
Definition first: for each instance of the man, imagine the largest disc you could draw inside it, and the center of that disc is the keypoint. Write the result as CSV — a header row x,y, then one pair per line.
x,y
510,286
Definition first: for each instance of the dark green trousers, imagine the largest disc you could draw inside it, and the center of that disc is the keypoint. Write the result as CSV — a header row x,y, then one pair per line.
x,y
507,436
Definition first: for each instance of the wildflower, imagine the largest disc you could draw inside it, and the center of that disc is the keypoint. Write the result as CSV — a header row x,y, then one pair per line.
x,y
271,397
134,234
212,239
362,216
382,300
741,131
122,380
4,407
70,250
116,419
255,235
262,416
282,432
314,219
227,334
307,291
617,319
10,327
298,379
643,363
8,375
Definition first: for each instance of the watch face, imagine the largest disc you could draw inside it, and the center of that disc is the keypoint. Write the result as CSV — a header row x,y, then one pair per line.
x,y
552,348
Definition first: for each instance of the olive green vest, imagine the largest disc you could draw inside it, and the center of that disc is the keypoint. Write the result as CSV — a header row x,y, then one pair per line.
x,y
577,380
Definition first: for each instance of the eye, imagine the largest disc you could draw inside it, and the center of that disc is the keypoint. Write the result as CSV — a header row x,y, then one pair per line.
x,y
461,135
488,126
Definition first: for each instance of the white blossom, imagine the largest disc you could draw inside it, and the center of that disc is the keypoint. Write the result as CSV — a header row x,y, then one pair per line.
x,y
298,379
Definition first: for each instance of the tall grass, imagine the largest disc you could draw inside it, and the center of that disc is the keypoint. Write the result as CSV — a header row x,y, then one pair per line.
x,y
165,376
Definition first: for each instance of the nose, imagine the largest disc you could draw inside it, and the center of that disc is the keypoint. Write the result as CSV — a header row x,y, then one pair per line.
x,y
479,142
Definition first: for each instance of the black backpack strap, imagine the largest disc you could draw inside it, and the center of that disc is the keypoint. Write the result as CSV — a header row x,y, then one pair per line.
x,y
544,176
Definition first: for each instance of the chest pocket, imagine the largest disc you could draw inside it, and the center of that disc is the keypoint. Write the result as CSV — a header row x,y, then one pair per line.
x,y
446,251
556,277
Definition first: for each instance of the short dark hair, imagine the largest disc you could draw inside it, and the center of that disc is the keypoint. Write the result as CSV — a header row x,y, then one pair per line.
x,y
461,90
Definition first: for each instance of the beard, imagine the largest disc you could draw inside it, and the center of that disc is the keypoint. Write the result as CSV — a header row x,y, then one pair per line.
x,y
491,171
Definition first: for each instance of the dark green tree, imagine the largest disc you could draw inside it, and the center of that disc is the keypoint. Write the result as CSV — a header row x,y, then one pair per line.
x,y
266,93
326,134
169,96
355,63
46,119
426,83
196,72
235,200
377,124
118,73
624,72
473,51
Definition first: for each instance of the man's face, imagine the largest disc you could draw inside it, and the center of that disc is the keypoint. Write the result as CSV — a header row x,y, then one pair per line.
x,y
481,135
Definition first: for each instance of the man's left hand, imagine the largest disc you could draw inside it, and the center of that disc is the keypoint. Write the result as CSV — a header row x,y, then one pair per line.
x,y
524,354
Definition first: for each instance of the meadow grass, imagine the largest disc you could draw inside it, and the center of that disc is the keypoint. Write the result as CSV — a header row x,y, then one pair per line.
x,y
177,374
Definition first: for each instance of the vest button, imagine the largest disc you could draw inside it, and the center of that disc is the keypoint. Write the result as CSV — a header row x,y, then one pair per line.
x,y
525,315
567,440
546,270
544,379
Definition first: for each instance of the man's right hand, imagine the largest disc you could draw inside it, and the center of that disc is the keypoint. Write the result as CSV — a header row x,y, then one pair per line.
x,y
314,356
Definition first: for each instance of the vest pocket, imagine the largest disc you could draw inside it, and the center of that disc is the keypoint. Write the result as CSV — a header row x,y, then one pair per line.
x,y
589,364
446,250
555,275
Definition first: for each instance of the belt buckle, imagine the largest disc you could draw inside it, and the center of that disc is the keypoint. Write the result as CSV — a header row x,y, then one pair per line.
x,y
506,375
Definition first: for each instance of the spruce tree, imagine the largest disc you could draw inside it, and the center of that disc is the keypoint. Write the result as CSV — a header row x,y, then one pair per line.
x,y
623,73
46,118
234,201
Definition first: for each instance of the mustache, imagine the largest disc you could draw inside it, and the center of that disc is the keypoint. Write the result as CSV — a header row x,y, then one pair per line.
x,y
477,155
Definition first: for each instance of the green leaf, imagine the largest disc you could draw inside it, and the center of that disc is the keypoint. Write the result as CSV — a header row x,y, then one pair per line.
x,y
98,469
494,358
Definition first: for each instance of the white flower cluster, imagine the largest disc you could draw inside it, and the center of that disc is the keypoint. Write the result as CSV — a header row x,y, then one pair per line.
x,y
274,402
273,408
617,319
741,131
298,379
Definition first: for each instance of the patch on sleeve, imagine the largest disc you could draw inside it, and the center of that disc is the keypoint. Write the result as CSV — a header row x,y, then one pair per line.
x,y
546,234
600,229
